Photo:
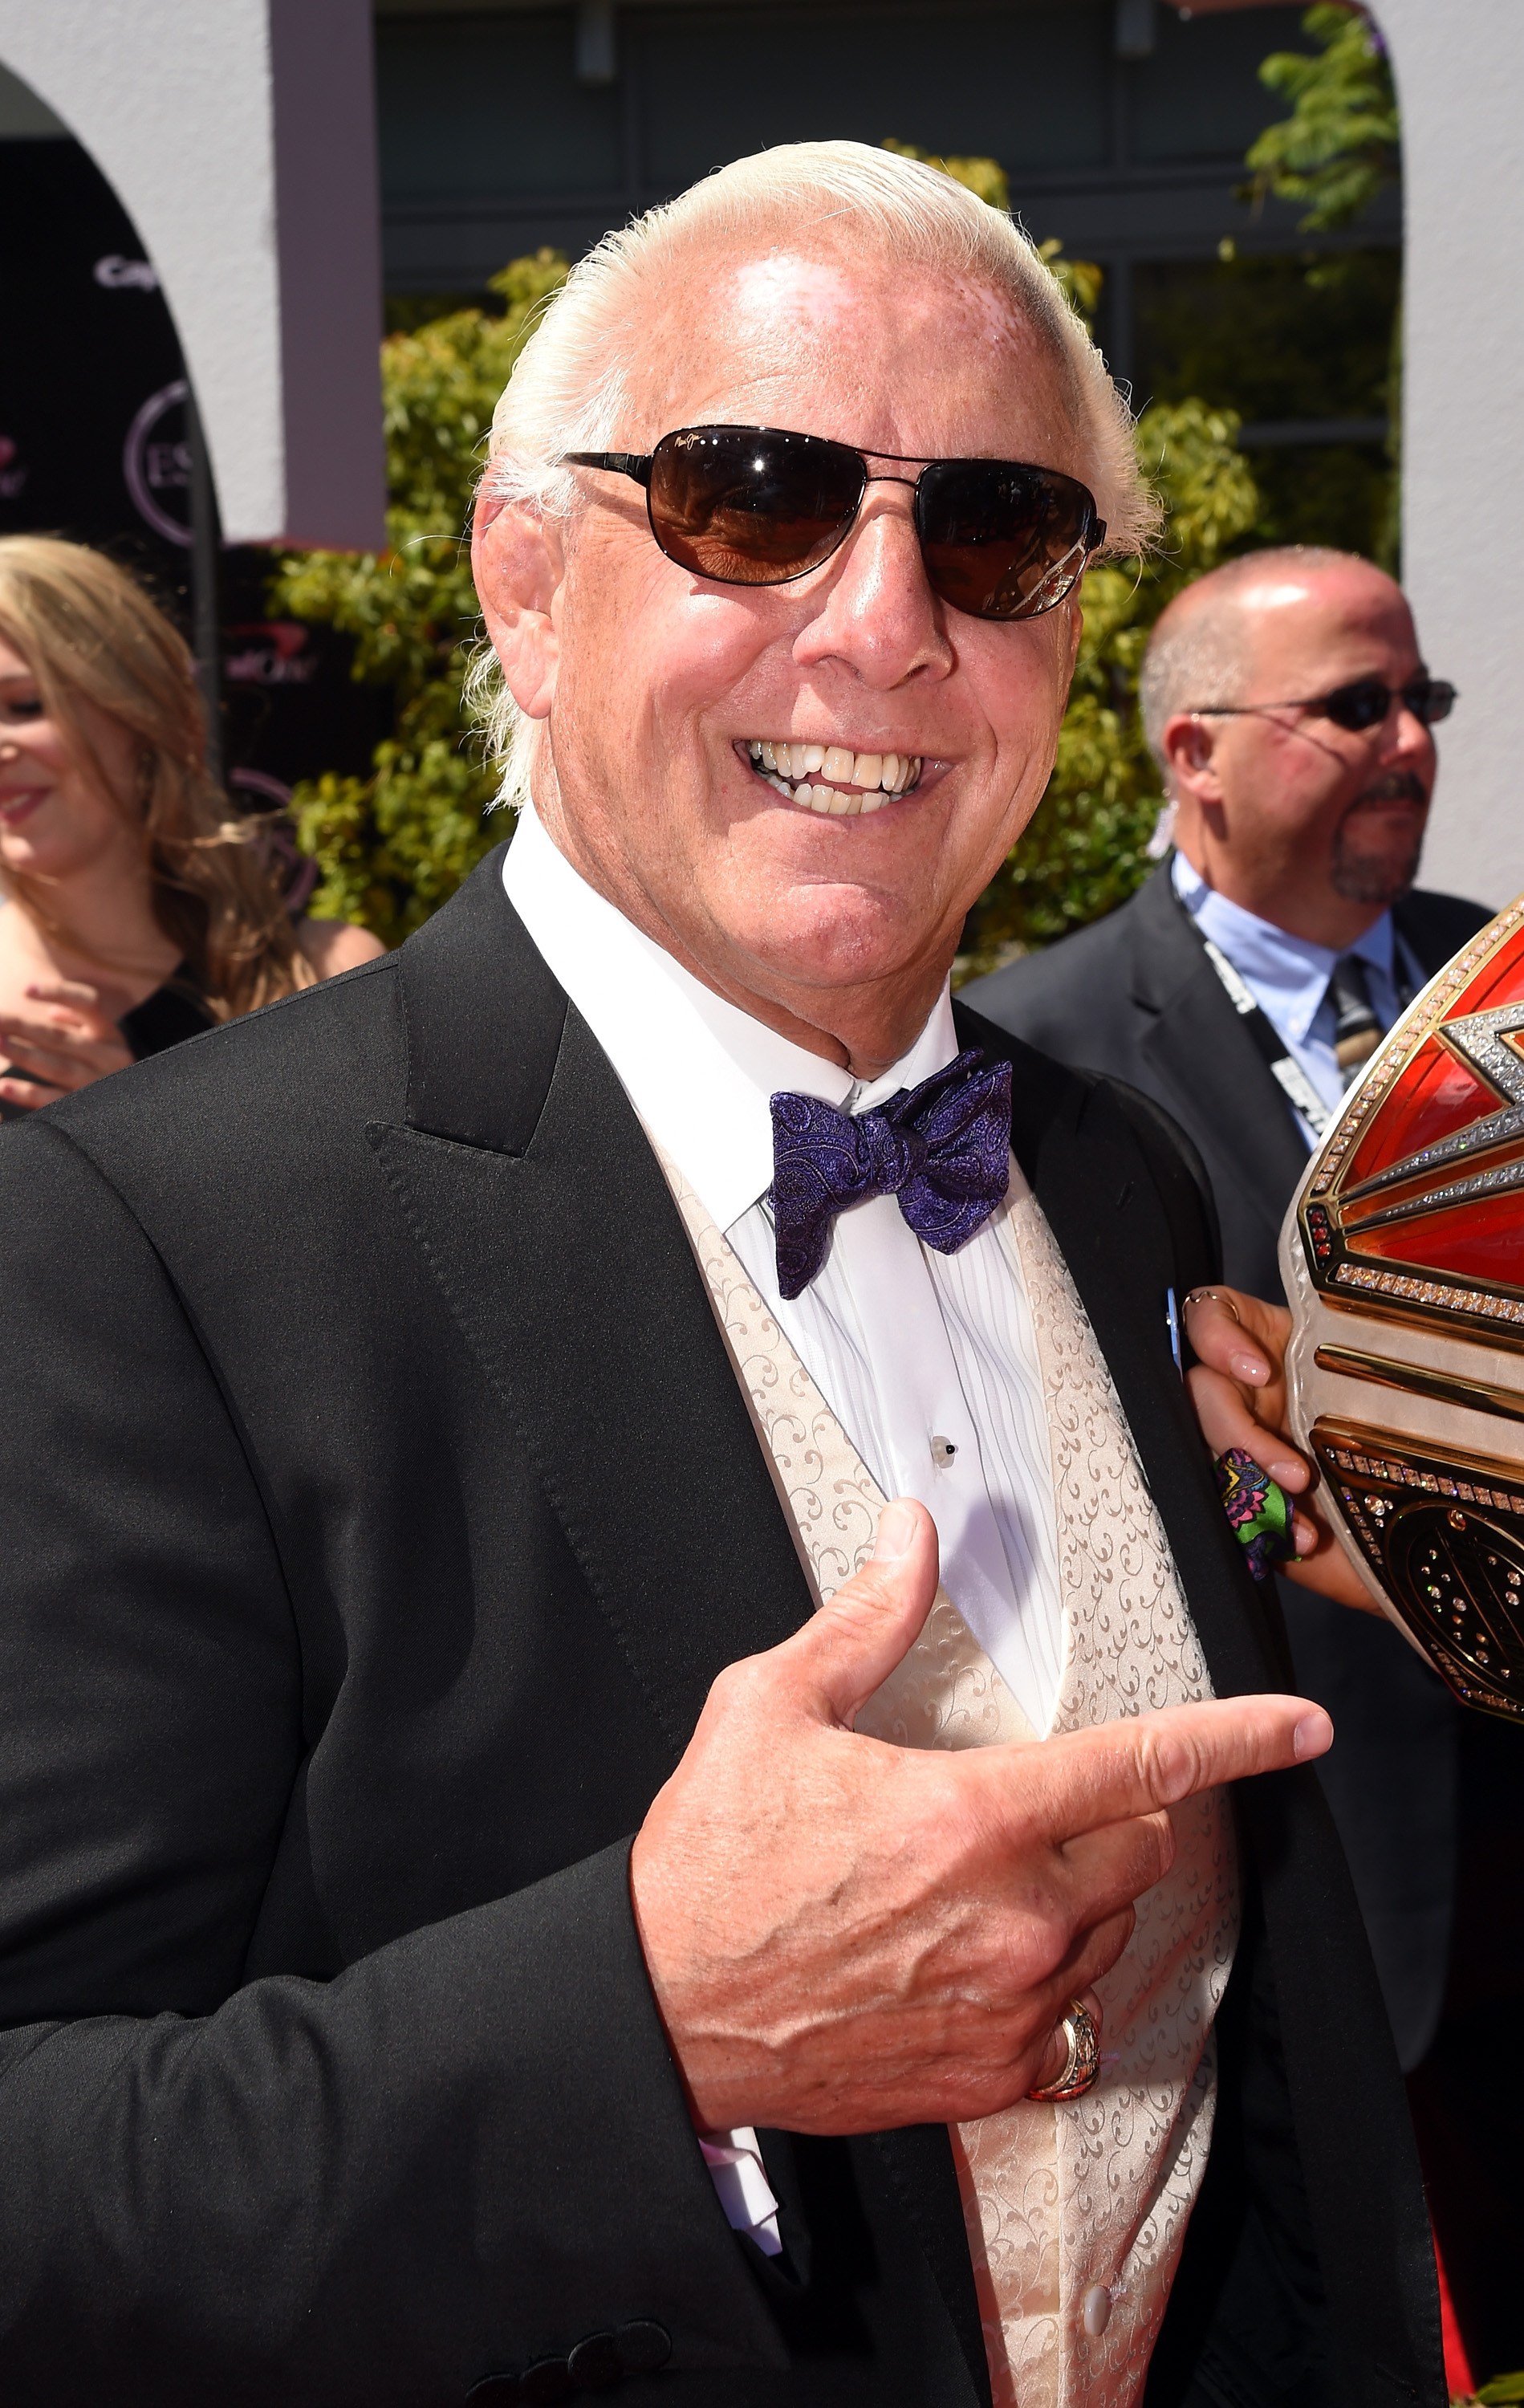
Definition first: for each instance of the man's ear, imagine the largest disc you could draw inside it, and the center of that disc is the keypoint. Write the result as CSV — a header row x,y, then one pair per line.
x,y
519,560
1189,745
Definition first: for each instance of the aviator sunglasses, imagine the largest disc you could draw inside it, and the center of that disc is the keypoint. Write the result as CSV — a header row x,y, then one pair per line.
x,y
756,506
1359,706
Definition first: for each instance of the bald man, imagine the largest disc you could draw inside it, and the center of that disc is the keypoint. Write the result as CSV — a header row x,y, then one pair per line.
x,y
1292,718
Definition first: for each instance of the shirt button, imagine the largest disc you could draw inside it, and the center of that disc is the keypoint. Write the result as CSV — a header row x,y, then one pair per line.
x,y
943,1450
1097,2310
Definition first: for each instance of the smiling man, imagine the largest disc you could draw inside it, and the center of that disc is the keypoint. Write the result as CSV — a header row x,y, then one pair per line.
x,y
520,1872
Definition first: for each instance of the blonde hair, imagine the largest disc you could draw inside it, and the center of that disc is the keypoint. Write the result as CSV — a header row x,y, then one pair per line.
x,y
570,383
90,634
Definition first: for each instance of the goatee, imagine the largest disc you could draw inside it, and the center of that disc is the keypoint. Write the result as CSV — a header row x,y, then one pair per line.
x,y
1380,874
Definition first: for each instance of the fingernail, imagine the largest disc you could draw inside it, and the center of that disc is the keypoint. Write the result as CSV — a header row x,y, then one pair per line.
x,y
1285,1475
1248,1367
896,1529
1314,1735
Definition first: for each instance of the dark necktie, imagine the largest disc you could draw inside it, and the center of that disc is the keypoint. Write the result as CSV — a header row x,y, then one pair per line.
x,y
1357,1031
943,1148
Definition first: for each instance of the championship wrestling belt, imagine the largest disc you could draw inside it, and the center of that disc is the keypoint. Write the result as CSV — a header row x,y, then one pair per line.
x,y
1403,1255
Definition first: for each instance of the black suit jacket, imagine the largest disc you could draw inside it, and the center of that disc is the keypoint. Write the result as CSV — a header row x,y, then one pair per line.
x,y
379,1504
1135,996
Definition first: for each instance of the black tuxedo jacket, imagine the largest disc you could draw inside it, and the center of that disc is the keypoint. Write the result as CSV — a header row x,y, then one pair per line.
x,y
1135,996
378,1505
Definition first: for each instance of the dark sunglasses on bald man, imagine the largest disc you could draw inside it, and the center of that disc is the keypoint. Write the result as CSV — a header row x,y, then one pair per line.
x,y
755,506
1359,706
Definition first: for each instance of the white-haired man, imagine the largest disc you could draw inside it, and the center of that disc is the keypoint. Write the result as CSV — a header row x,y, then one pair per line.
x,y
447,1427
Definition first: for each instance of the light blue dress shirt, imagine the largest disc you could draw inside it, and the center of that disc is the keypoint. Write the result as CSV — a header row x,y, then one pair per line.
x,y
1287,976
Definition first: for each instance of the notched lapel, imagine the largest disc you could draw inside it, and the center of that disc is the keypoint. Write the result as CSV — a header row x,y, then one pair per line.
x,y
1198,1050
567,1268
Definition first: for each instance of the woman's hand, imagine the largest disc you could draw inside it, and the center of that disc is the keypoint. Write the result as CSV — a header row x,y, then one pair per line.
x,y
66,1047
1238,1387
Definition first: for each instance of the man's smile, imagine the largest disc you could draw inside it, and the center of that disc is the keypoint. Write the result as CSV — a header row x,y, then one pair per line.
x,y
830,778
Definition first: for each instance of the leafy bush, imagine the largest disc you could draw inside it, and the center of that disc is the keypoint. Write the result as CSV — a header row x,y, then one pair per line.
x,y
1086,848
393,847
1339,145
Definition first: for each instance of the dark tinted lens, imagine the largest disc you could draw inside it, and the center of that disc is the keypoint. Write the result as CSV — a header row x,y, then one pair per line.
x,y
1430,698
1361,705
1365,704
750,506
1001,540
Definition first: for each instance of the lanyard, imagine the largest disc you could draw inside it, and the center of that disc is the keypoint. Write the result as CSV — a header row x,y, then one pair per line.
x,y
1294,1082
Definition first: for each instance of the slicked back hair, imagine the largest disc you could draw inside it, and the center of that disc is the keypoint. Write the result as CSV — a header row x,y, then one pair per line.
x,y
571,382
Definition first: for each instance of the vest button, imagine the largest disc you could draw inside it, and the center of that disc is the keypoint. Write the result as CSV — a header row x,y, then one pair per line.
x,y
943,1450
1097,2310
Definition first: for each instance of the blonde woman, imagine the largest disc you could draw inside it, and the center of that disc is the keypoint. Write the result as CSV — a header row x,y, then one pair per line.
x,y
134,908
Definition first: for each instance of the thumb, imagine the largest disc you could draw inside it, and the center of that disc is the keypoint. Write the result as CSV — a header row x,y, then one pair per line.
x,y
853,1644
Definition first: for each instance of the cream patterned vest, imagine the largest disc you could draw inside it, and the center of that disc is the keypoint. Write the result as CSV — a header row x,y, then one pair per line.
x,y
1075,2214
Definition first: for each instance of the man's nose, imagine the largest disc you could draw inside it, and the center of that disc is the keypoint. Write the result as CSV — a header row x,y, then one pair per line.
x,y
878,613
1404,735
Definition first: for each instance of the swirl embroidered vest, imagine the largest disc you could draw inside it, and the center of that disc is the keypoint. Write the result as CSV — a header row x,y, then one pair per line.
x,y
1075,2214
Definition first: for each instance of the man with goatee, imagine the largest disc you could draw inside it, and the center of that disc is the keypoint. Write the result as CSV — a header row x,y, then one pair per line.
x,y
1292,718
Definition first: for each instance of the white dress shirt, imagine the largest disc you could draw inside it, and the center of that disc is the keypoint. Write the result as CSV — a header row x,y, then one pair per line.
x,y
928,1360
907,1346
1287,976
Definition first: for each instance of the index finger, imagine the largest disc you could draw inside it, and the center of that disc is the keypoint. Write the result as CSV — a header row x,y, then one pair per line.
x,y
63,991
1085,1780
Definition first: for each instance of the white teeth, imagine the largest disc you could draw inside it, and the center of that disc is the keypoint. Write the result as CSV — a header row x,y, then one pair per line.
x,y
850,784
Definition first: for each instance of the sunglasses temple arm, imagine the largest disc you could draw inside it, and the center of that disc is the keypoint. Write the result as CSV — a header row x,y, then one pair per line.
x,y
618,463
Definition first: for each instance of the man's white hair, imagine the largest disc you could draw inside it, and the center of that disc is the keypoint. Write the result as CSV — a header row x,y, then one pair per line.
x,y
571,382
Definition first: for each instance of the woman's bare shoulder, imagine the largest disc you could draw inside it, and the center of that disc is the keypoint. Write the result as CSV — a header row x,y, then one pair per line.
x,y
334,945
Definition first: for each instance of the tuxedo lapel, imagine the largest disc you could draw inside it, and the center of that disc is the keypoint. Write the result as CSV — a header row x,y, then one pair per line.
x,y
1202,1055
539,1205
544,1215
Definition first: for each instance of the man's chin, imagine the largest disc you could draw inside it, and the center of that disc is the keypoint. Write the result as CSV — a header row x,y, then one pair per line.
x,y
1373,879
826,936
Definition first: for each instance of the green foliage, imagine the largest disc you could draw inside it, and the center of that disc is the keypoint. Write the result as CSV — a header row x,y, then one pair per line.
x,y
1339,145
1079,279
1504,2391
393,847
986,176
1085,850
1275,337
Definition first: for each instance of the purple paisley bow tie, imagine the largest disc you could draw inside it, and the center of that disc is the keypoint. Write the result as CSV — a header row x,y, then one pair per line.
x,y
943,1148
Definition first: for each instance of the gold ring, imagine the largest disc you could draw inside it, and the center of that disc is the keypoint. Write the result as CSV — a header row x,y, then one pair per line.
x,y
1215,1295
1082,2066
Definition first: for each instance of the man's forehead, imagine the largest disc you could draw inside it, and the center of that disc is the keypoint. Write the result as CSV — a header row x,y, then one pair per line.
x,y
745,334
